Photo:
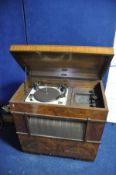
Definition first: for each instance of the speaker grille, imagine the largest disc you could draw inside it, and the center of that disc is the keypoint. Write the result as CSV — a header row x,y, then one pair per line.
x,y
65,129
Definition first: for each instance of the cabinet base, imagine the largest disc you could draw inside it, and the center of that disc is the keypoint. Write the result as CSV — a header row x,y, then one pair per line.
x,y
58,147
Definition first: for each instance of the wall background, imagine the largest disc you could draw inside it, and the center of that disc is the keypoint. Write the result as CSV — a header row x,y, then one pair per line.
x,y
51,22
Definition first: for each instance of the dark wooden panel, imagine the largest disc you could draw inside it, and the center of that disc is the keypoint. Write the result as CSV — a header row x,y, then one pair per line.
x,y
59,147
94,131
20,123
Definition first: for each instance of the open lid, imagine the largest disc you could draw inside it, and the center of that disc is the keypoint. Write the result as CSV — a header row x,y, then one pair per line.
x,y
80,62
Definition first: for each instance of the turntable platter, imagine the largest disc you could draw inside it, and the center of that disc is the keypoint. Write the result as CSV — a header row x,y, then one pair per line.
x,y
46,94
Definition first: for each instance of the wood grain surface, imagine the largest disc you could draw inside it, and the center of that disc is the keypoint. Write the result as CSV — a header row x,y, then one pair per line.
x,y
58,147
62,48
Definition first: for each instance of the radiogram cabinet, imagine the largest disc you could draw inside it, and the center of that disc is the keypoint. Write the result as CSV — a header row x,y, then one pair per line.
x,y
61,107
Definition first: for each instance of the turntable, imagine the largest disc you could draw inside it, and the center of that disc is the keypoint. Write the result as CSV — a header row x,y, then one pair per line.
x,y
47,94
61,107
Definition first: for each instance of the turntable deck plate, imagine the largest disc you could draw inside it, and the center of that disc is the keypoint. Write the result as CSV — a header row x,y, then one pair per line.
x,y
46,94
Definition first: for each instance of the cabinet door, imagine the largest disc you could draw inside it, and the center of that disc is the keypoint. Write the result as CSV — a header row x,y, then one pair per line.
x,y
57,127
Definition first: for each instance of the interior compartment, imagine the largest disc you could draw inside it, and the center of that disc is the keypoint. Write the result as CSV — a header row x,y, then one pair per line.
x,y
88,97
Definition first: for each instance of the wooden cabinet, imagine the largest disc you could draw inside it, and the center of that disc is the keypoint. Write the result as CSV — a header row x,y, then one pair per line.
x,y
73,129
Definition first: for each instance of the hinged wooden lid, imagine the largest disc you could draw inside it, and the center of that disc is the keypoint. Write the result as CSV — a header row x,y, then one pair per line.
x,y
81,62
